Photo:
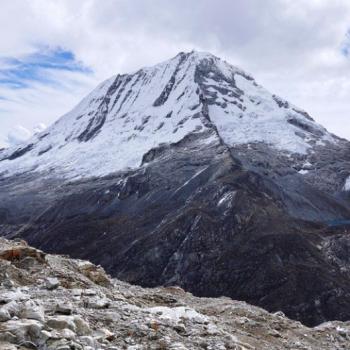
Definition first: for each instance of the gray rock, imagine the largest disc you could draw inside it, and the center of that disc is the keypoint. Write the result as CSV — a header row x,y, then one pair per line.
x,y
23,330
32,310
4,315
62,322
82,327
64,309
7,346
98,303
52,283
13,308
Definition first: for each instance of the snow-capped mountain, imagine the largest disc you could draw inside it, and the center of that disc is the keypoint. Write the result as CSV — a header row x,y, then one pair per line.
x,y
189,173
129,114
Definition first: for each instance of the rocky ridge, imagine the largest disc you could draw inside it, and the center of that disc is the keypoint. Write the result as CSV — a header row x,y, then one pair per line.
x,y
54,302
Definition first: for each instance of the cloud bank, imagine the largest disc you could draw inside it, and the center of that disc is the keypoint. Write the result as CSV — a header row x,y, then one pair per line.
x,y
55,52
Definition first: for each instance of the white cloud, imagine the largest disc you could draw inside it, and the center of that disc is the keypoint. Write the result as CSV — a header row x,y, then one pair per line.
x,y
18,135
292,47
39,128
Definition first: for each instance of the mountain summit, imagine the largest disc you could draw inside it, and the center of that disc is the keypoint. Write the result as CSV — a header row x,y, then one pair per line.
x,y
189,173
129,114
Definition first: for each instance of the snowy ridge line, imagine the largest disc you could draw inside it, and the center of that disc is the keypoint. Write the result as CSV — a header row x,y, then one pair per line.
x,y
128,115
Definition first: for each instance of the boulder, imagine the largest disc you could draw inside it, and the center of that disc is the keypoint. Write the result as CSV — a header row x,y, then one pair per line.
x,y
64,309
22,331
7,346
52,283
61,322
32,310
82,327
17,253
97,303
95,273
4,315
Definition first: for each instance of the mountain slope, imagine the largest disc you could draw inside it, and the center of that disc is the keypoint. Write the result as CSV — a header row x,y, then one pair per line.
x,y
190,173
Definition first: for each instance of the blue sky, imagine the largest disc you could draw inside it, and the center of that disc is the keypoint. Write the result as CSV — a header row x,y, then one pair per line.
x,y
56,52
27,81
37,88
345,47
21,72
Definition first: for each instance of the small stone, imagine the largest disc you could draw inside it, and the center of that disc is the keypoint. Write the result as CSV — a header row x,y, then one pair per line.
x,y
61,344
102,303
4,315
274,333
68,334
33,310
62,322
75,346
279,314
45,335
180,328
343,332
104,333
88,341
82,327
16,295
13,308
28,263
52,283
64,309
7,346
89,292
24,330
7,337
178,346
64,347
8,283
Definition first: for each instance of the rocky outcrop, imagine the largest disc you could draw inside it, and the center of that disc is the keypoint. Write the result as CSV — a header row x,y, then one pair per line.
x,y
92,311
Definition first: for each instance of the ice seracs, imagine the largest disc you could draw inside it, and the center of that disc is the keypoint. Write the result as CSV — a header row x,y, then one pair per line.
x,y
129,114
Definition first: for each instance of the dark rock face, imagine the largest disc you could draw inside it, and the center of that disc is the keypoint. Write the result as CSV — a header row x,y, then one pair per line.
x,y
20,152
97,121
169,86
214,220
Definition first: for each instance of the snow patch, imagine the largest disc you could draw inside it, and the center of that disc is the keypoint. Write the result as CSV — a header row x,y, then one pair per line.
x,y
226,197
177,313
193,177
262,120
347,184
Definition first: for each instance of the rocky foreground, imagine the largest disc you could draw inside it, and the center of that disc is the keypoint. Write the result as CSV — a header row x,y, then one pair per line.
x,y
54,302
